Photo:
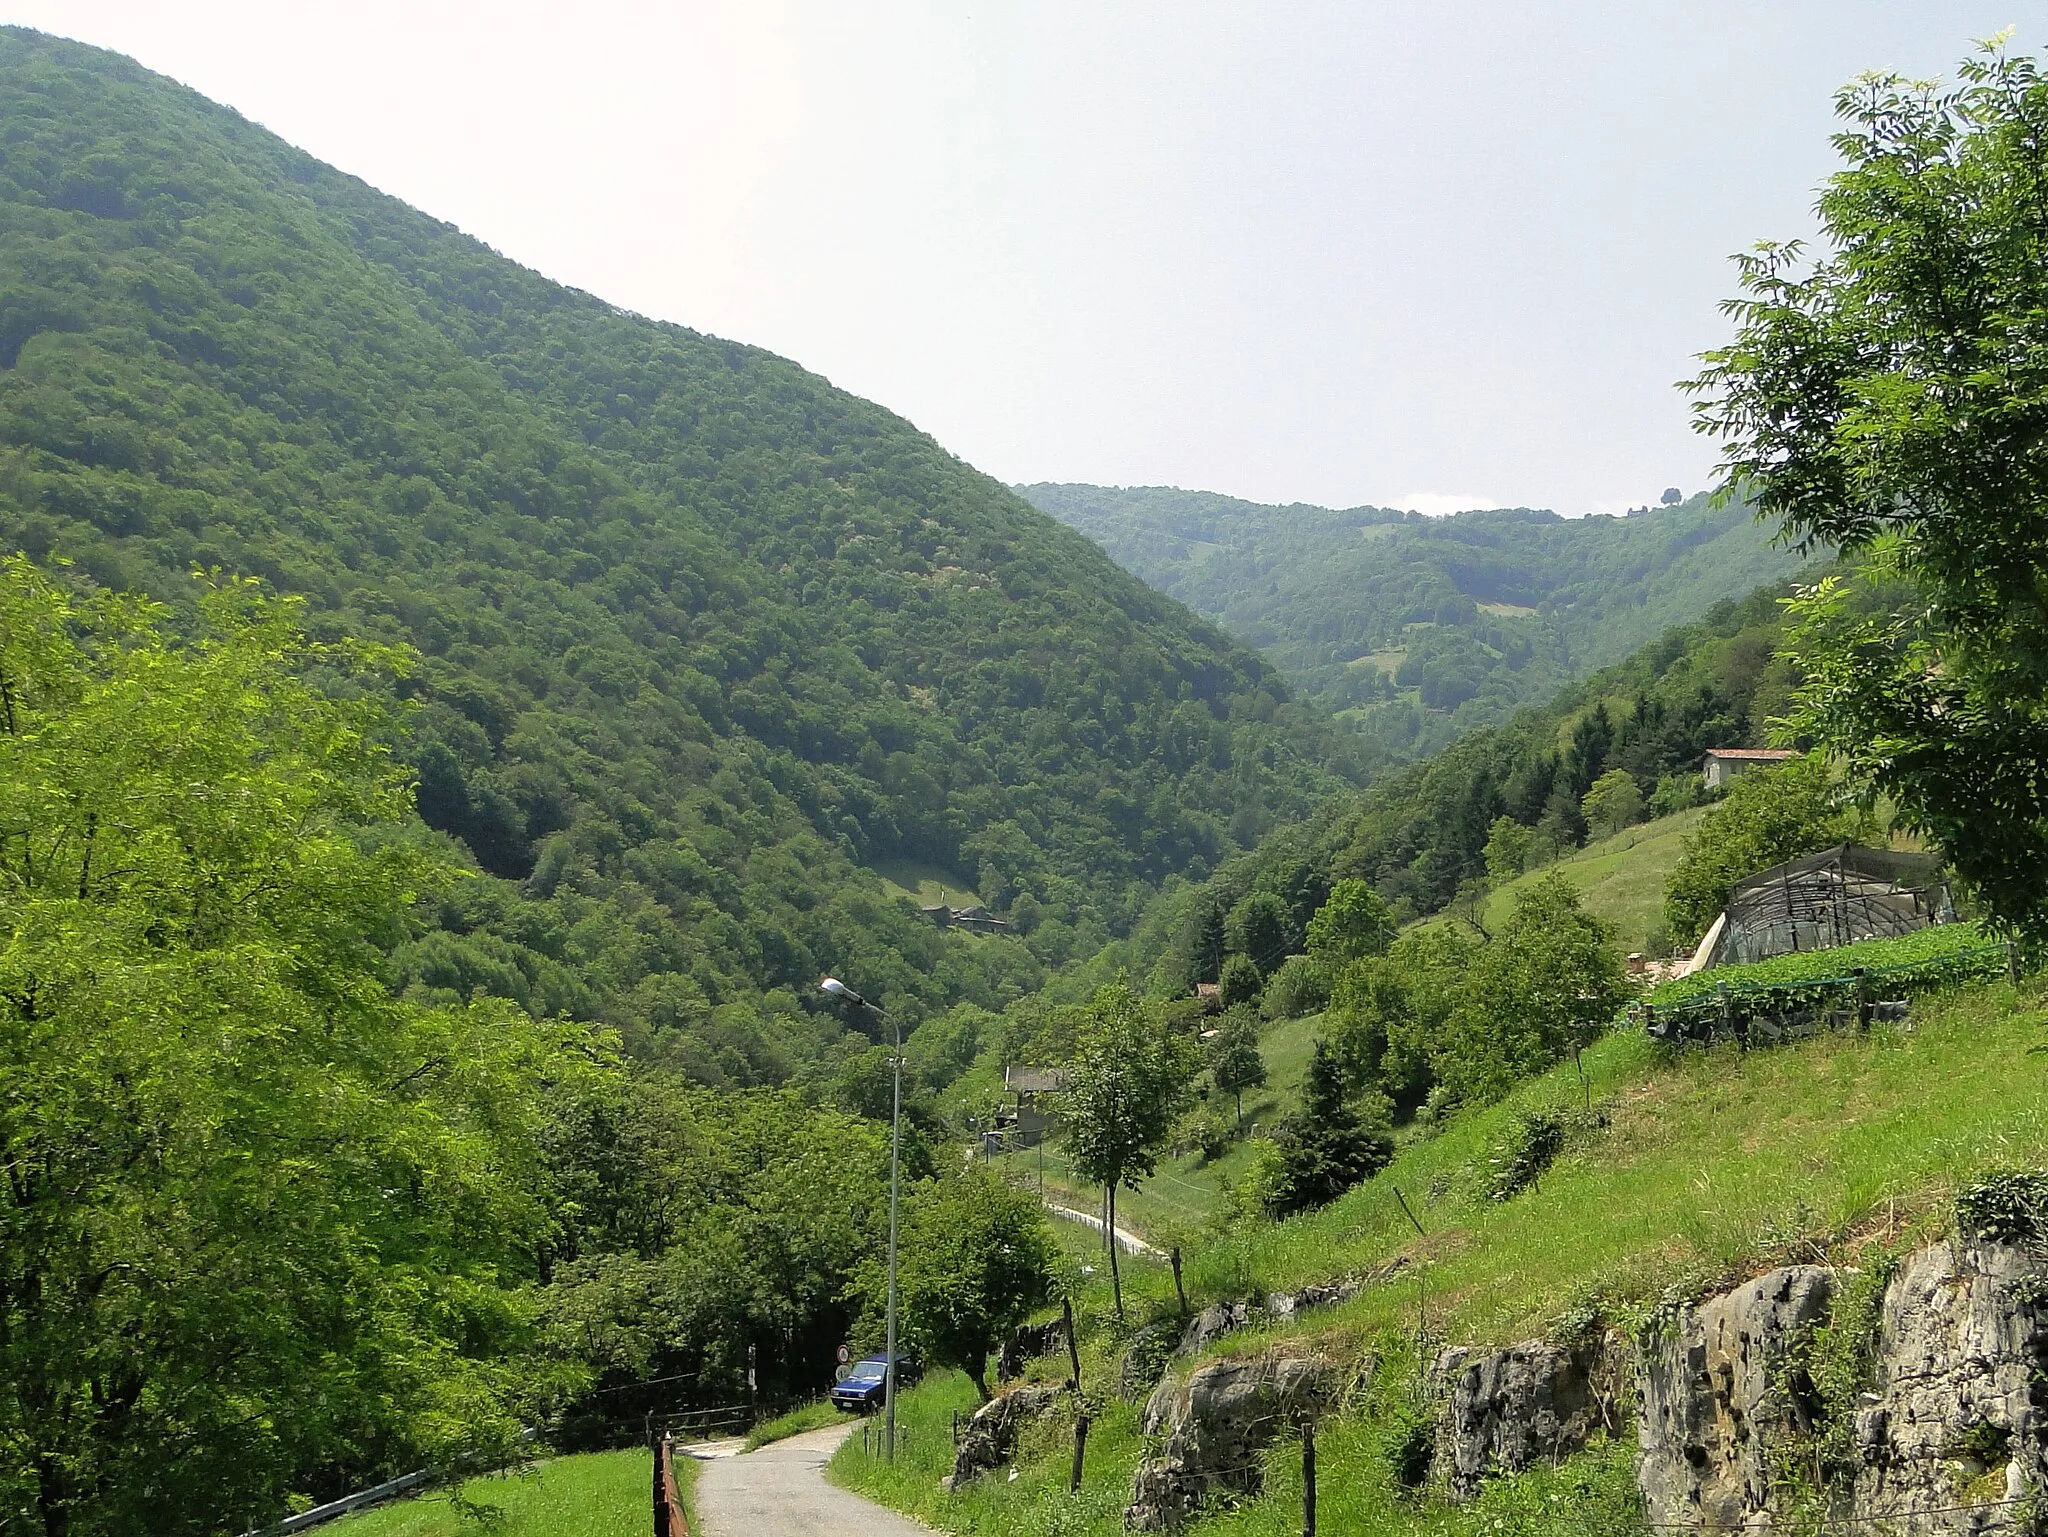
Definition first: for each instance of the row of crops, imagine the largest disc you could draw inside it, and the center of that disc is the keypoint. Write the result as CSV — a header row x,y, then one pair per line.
x,y
1794,995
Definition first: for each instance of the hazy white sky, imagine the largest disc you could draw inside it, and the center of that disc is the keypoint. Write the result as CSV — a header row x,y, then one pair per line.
x,y
1409,254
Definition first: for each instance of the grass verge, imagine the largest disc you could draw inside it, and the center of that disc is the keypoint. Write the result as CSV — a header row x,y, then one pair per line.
x,y
596,1494
811,1416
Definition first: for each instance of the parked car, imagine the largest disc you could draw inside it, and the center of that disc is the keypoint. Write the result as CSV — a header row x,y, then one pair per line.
x,y
861,1390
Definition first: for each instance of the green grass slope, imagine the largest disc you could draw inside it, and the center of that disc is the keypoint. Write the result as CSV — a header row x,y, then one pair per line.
x,y
598,1494
1187,1191
1702,1167
703,639
1620,879
1418,628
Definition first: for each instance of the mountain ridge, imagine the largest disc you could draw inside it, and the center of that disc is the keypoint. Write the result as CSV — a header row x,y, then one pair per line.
x,y
701,637
1414,628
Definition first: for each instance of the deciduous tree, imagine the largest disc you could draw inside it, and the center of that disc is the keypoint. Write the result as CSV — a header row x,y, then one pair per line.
x,y
976,1259
1127,1081
262,1227
1889,399
1234,1060
1352,924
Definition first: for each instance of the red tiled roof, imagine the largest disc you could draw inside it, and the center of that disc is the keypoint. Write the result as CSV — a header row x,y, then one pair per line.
x,y
1771,753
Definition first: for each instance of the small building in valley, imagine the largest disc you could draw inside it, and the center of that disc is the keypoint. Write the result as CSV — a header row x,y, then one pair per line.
x,y
1025,1121
1726,763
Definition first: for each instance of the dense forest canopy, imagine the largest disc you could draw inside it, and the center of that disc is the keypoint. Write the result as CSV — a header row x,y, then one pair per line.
x,y
703,639
1416,628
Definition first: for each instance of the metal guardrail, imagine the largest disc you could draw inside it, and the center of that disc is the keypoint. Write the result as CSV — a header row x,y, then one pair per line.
x,y
699,1424
669,1520
348,1504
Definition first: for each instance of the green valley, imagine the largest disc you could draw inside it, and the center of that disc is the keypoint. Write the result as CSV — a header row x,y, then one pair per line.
x,y
567,886
1414,629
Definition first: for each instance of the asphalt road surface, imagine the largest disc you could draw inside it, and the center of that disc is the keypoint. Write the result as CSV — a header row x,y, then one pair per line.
x,y
780,1491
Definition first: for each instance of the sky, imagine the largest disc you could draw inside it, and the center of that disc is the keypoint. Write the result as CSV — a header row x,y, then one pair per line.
x,y
1416,255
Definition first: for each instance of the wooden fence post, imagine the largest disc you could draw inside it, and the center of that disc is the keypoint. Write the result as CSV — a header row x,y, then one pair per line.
x,y
1308,1480
1178,1290
1073,1341
1080,1450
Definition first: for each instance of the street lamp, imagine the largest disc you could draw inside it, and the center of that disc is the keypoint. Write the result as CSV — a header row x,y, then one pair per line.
x,y
834,988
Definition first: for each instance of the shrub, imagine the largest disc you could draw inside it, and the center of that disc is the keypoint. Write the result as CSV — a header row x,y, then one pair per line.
x,y
1613,803
2008,1208
1301,986
1201,1130
1241,982
1258,1188
1531,1147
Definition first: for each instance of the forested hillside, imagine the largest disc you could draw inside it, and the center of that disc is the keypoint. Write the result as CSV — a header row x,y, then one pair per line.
x,y
704,640
1615,748
1417,628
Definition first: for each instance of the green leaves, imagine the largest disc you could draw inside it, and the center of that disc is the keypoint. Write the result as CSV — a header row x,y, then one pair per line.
x,y
1891,397
1125,1084
262,1227
977,1258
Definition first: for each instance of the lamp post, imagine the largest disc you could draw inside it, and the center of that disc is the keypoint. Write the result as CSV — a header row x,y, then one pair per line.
x,y
834,988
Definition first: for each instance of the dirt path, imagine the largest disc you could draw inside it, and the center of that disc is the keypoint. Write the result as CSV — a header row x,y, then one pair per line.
x,y
780,1491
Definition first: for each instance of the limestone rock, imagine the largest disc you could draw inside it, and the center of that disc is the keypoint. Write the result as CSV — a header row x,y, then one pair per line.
x,y
1958,1415
1027,1344
1505,1410
1216,1425
990,1439
1211,1324
1716,1389
1221,1318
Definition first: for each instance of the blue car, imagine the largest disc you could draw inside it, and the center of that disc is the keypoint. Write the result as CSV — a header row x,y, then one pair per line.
x,y
862,1389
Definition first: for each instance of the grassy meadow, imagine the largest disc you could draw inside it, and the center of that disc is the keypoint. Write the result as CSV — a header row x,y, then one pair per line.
x,y
1620,878
1187,1191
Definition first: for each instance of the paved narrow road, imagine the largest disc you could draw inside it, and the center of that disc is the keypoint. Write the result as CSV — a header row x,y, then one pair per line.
x,y
780,1491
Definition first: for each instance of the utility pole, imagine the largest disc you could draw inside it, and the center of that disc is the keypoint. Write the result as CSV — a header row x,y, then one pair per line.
x,y
895,1185
834,988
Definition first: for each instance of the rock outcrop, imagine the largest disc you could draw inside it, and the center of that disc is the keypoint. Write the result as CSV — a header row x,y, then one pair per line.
x,y
1215,1427
1221,1318
1506,1410
990,1439
1951,1442
1717,1388
1028,1343
1959,1415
